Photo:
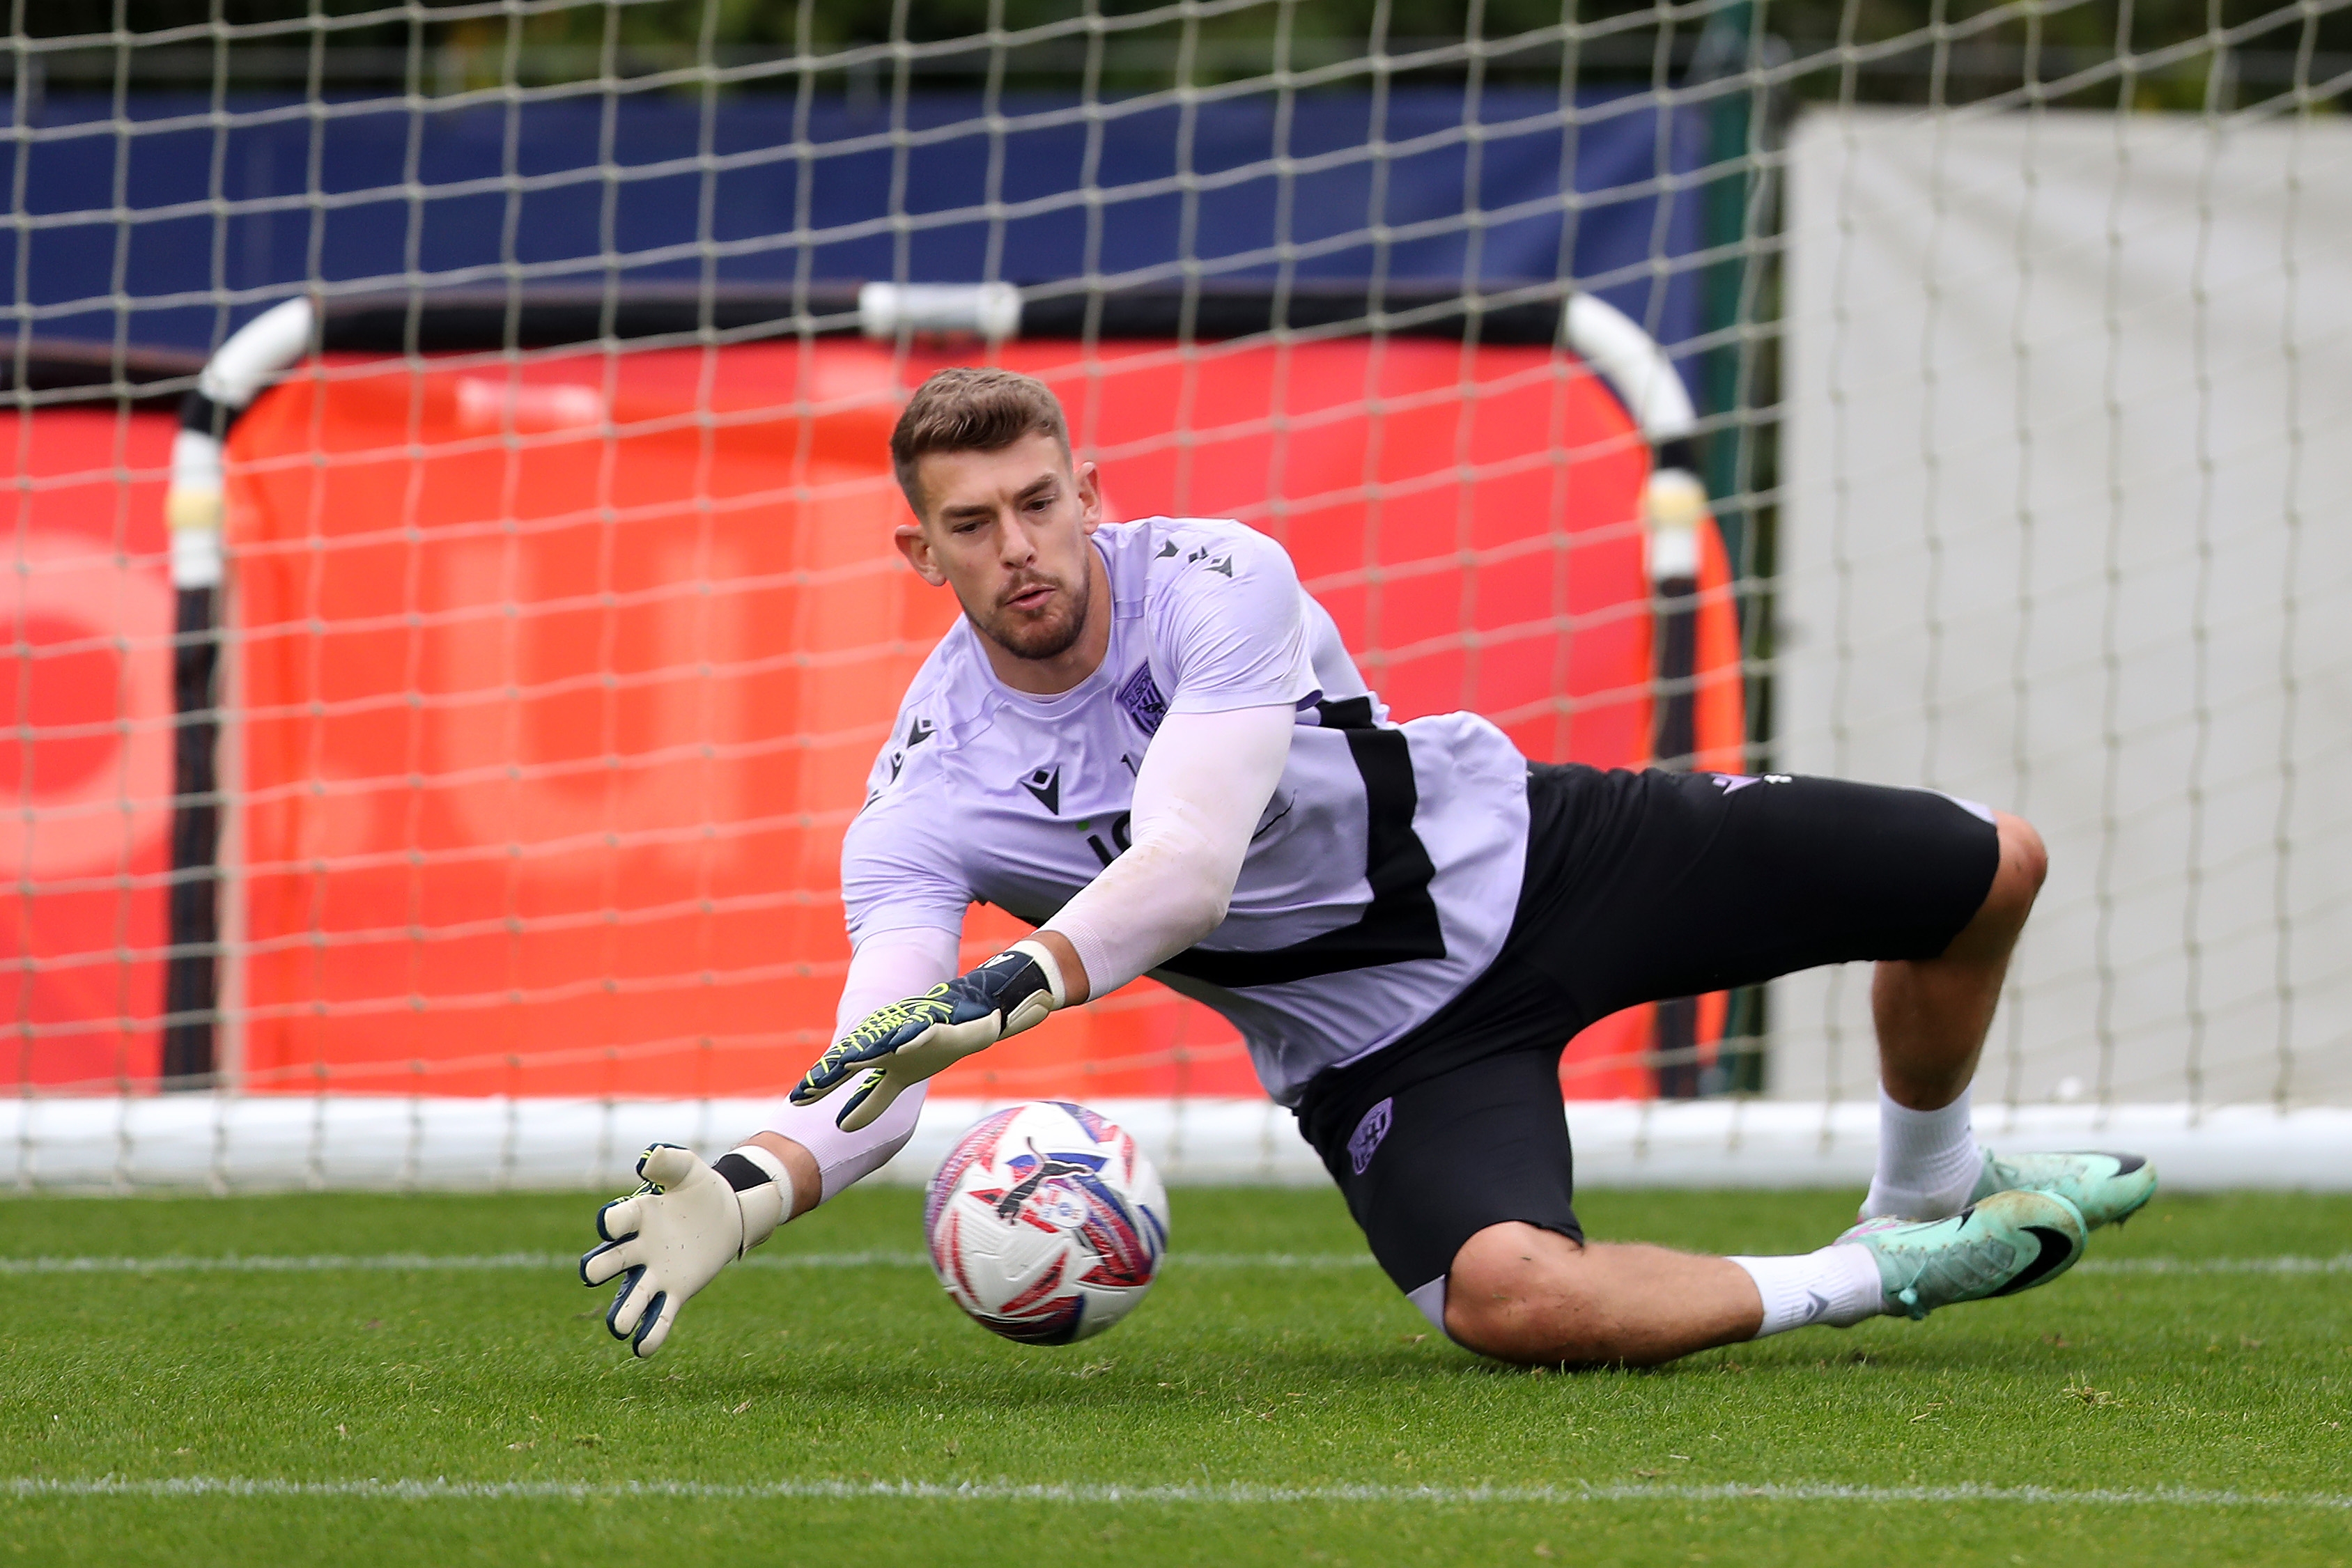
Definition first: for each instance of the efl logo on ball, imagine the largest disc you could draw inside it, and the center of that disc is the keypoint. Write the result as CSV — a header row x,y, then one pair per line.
x,y
1045,1223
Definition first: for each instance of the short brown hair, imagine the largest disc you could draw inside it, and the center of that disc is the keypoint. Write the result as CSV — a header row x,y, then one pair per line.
x,y
968,409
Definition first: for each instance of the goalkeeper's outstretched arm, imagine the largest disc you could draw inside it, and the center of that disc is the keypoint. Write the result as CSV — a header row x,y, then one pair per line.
x,y
1203,785
688,1220
1198,796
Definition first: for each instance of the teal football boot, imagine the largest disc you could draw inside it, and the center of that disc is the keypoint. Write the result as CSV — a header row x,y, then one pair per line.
x,y
2011,1241
2105,1189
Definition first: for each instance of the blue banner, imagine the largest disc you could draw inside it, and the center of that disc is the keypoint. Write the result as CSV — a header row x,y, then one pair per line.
x,y
173,224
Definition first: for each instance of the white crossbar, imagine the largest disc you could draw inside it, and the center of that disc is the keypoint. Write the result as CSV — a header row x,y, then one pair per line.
x,y
229,1143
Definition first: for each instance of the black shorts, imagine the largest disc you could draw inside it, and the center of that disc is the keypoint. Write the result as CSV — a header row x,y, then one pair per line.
x,y
1640,887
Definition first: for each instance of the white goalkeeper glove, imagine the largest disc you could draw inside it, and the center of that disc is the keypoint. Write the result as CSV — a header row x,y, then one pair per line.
x,y
672,1236
899,1046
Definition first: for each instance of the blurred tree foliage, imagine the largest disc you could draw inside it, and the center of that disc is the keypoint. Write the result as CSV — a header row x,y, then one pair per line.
x,y
1991,40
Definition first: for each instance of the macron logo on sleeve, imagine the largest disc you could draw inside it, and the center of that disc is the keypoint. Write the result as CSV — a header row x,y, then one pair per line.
x,y
1224,564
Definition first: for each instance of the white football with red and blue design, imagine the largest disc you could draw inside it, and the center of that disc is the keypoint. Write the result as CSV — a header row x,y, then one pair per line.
x,y
1047,1223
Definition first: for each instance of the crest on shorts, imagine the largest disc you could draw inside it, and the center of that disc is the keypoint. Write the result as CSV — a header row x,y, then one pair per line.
x,y
1366,1139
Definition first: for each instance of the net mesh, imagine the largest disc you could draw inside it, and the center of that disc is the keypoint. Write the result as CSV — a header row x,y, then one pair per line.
x,y
508,752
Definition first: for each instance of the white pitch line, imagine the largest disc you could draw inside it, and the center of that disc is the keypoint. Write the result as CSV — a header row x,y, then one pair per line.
x,y
1241,1495
2339,1264
467,1262
324,1263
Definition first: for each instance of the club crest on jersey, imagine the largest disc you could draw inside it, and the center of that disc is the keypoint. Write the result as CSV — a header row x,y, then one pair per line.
x,y
1140,696
1045,784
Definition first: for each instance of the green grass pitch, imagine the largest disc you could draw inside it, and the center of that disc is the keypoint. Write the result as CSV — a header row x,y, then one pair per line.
x,y
2139,1410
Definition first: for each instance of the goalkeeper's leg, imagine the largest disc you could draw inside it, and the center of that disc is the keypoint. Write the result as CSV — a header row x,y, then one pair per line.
x,y
1932,1015
1460,1174
1650,885
1524,1293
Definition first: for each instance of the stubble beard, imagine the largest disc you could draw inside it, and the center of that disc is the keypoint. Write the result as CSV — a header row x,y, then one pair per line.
x,y
1040,637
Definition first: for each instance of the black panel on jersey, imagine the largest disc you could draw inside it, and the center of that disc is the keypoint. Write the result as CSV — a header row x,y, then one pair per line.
x,y
1347,713
1400,924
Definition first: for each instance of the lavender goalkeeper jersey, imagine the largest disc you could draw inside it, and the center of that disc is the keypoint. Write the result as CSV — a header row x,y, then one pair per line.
x,y
1379,883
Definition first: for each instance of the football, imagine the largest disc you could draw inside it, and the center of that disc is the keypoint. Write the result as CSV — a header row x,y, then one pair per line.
x,y
1047,1223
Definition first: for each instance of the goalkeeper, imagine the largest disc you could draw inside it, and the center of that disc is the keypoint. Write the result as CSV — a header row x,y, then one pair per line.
x,y
1146,740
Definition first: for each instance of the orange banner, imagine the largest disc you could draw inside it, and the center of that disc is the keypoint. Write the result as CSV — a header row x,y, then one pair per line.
x,y
85,746
558,682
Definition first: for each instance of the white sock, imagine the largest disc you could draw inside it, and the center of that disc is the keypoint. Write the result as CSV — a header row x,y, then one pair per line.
x,y
1928,1161
1837,1285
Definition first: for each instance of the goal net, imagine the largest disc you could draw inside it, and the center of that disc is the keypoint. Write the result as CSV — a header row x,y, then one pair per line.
x,y
454,611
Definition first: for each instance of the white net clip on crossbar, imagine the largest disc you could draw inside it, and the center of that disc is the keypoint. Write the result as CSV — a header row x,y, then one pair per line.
x,y
988,311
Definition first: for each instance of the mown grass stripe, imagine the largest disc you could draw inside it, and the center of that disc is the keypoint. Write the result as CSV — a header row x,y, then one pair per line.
x,y
404,1262
410,1262
26,1488
421,1262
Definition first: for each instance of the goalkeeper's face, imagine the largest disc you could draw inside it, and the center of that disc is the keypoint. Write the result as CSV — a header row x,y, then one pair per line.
x,y
1007,530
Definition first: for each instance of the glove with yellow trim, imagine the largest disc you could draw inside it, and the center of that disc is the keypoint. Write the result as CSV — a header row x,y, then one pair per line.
x,y
899,1046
